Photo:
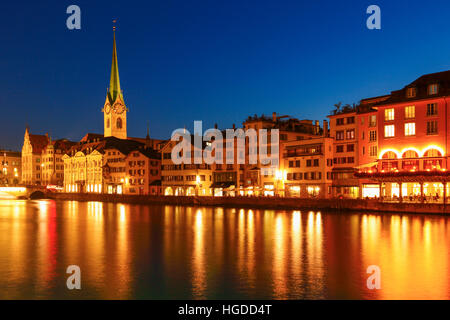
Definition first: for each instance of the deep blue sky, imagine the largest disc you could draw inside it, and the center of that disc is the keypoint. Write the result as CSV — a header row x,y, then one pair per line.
x,y
216,61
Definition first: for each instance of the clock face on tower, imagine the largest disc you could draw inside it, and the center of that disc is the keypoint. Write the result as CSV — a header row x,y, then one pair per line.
x,y
107,108
119,108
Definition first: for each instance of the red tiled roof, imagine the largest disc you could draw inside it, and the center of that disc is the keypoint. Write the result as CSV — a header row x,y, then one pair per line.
x,y
38,142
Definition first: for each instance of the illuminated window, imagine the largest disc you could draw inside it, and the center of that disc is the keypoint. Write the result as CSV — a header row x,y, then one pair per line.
x,y
410,129
350,134
410,154
372,120
389,114
339,135
389,155
389,131
410,112
411,92
432,153
432,89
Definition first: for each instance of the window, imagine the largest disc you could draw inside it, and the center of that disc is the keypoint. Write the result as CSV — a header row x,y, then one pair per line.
x,y
339,148
410,112
389,114
411,92
389,131
119,123
410,129
350,160
432,127
283,136
372,120
372,136
373,151
339,135
350,134
339,121
316,162
432,89
350,147
432,109
350,120
308,163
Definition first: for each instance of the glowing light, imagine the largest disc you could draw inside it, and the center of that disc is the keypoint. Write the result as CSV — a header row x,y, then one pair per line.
x,y
13,189
382,153
430,147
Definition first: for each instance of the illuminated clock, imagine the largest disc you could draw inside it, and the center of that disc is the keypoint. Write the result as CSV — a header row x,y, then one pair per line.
x,y
107,108
119,108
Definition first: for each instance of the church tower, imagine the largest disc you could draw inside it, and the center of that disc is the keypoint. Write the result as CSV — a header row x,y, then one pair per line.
x,y
114,110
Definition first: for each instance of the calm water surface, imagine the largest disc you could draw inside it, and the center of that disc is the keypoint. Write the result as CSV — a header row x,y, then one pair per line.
x,y
166,252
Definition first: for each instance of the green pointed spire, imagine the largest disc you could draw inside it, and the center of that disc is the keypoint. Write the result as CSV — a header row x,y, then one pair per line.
x,y
114,83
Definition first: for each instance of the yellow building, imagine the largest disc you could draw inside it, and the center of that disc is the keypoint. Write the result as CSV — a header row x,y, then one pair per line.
x,y
11,167
290,129
33,145
306,167
52,164
184,179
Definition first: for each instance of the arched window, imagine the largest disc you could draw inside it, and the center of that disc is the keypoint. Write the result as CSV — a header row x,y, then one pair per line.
x,y
107,123
432,153
410,154
119,123
389,155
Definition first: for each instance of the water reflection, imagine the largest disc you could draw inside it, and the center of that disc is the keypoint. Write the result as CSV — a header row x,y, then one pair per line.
x,y
130,251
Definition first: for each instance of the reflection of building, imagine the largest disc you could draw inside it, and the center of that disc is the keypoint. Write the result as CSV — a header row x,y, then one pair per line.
x,y
412,141
306,167
11,167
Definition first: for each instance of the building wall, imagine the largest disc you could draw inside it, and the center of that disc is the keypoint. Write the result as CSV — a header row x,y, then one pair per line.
x,y
11,167
306,168
184,179
31,164
421,140
344,131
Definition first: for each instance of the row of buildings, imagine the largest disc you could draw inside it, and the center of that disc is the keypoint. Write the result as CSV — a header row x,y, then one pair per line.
x,y
393,146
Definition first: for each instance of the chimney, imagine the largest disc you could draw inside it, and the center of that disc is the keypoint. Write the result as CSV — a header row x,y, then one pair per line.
x,y
215,126
325,128
274,116
234,126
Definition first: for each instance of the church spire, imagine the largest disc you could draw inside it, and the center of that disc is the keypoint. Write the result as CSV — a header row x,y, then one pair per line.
x,y
114,83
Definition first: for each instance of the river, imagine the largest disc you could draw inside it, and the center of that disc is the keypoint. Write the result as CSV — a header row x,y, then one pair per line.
x,y
167,252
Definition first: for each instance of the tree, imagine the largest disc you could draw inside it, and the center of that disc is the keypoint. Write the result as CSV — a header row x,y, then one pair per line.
x,y
337,107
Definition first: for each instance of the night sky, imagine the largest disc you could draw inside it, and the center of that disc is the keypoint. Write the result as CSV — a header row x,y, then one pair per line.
x,y
216,61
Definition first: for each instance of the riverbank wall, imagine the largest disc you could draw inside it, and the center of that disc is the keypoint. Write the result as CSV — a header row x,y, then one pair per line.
x,y
264,203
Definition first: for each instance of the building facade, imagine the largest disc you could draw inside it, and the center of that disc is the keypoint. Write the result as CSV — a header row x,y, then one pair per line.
x,y
33,145
11,168
413,133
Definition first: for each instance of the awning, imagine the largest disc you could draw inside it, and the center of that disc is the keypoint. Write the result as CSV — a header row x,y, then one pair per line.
x,y
367,165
